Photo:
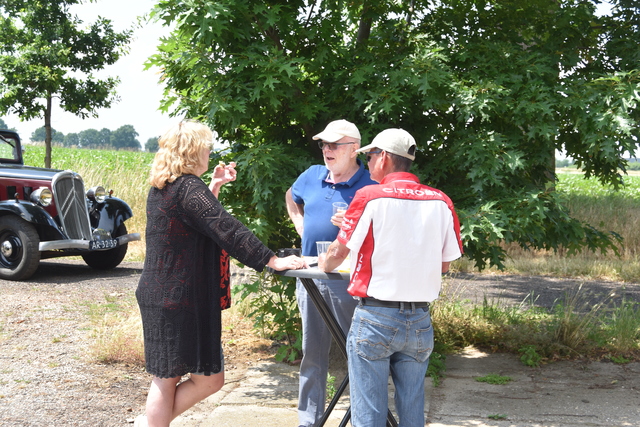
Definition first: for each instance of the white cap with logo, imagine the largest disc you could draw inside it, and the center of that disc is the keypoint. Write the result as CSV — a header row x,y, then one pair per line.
x,y
395,141
338,129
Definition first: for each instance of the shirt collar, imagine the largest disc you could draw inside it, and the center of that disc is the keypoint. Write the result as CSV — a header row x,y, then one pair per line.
x,y
353,180
400,176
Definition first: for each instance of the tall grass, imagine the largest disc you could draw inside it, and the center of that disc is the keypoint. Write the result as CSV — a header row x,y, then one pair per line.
x,y
117,332
603,208
606,208
574,327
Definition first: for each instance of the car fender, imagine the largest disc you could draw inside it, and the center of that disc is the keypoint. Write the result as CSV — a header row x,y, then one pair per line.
x,y
45,224
110,214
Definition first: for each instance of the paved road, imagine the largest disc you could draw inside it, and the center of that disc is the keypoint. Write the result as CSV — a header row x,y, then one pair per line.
x,y
543,291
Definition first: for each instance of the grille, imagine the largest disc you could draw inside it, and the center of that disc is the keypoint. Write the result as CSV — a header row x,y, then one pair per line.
x,y
69,195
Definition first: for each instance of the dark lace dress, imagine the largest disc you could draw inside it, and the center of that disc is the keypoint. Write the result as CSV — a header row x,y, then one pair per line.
x,y
185,281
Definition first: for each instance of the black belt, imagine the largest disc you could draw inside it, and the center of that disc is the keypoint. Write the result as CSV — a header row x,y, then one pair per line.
x,y
393,304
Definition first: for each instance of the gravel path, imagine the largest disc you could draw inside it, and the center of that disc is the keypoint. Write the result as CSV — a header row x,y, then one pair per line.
x,y
46,378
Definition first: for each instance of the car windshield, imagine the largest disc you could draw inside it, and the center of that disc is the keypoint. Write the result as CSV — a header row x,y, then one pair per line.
x,y
8,148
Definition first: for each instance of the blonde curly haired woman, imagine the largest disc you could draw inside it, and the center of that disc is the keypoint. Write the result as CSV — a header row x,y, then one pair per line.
x,y
184,285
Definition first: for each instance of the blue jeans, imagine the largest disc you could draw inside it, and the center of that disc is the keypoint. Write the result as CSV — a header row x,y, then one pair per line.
x,y
316,342
382,341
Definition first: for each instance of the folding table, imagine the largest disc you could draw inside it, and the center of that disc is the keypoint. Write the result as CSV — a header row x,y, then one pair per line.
x,y
306,276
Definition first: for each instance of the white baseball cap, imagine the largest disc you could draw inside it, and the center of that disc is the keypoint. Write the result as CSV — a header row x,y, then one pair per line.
x,y
395,141
337,130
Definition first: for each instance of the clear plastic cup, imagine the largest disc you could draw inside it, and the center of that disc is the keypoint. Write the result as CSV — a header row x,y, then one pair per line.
x,y
322,247
339,207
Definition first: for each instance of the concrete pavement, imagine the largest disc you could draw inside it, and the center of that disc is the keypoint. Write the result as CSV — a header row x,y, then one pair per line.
x,y
560,394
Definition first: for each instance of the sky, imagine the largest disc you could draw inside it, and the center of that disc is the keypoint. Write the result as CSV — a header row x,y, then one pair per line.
x,y
138,90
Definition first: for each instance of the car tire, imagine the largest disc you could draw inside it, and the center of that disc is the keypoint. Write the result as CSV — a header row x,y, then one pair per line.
x,y
106,260
19,248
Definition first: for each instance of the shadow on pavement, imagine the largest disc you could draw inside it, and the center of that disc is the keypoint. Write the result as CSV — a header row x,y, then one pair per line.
x,y
542,291
61,271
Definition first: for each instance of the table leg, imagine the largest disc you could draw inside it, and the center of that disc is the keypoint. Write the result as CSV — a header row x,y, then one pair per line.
x,y
341,340
329,319
334,401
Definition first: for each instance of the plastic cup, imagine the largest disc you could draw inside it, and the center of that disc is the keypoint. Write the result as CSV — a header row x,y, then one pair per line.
x,y
339,207
322,247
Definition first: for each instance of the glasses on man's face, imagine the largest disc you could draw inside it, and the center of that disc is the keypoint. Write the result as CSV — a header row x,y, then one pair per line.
x,y
371,153
332,145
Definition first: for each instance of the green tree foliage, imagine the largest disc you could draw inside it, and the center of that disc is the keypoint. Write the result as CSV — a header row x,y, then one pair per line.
x,y
122,138
90,138
490,90
125,138
152,144
40,134
563,163
4,125
46,52
71,140
105,137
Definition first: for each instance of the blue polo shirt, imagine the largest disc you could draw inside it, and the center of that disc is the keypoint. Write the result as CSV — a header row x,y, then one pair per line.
x,y
312,190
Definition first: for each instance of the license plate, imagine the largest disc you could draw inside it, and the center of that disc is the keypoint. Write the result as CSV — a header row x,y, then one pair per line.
x,y
103,244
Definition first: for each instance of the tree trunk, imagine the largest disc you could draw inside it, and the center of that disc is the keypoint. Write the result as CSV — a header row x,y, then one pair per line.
x,y
550,174
364,28
47,137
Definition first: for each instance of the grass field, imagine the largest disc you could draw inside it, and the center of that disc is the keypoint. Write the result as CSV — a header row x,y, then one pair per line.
x,y
603,208
126,174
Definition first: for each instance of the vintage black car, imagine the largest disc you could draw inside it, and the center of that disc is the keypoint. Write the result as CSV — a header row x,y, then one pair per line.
x,y
46,213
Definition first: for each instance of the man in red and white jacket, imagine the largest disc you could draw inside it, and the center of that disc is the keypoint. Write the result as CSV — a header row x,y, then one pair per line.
x,y
402,236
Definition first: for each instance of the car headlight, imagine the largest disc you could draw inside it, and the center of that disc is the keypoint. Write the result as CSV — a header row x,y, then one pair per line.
x,y
97,194
42,196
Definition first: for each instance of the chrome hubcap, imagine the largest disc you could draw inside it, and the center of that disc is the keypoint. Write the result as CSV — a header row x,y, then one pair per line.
x,y
6,248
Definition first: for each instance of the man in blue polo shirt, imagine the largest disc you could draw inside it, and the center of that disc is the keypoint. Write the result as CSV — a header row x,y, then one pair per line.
x,y
310,205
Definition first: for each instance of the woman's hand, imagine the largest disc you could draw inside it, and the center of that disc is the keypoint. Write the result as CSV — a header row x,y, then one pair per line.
x,y
291,262
221,175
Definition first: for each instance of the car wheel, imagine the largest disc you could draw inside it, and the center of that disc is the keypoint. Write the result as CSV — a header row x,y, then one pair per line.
x,y
106,260
19,248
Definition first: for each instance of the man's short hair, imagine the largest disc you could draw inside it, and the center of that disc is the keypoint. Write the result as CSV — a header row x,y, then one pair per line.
x,y
400,163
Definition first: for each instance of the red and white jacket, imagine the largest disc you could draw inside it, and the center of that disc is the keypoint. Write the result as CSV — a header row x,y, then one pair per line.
x,y
399,233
